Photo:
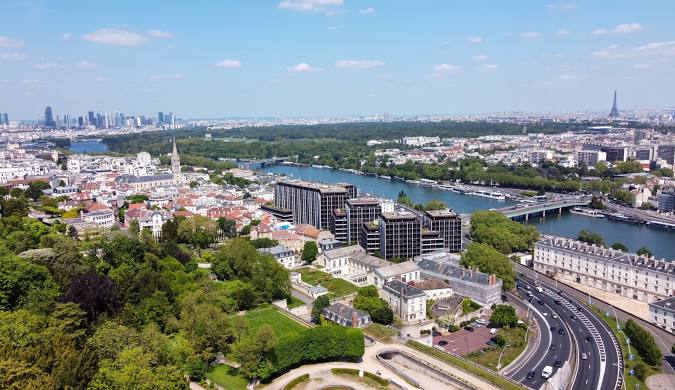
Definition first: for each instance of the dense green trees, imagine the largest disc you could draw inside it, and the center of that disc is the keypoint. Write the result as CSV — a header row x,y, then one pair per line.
x,y
309,252
504,315
490,261
620,247
495,229
590,237
644,343
319,304
368,300
644,251
23,284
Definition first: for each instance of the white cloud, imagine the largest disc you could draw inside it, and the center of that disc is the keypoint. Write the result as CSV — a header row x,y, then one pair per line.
x,y
115,37
84,65
162,77
658,47
642,66
358,64
54,65
480,57
562,6
474,39
625,28
101,78
159,34
228,64
561,33
302,68
442,70
48,66
652,49
325,6
568,77
11,57
10,42
529,34
489,67
367,11
66,36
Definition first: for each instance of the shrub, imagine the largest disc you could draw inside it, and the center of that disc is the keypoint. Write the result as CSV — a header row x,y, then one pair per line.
x,y
640,371
644,343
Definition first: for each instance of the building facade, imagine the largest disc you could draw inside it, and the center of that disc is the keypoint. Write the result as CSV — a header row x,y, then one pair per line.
x,y
400,235
358,211
344,315
448,224
662,314
311,203
407,302
627,274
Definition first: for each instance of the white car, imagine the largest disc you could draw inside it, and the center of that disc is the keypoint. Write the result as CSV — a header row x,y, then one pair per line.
x,y
554,315
584,356
544,314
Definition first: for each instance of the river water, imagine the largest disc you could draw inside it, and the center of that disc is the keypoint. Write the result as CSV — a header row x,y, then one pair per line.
x,y
661,243
88,146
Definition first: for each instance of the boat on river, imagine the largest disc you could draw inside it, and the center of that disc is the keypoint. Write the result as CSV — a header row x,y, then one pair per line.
x,y
587,212
489,194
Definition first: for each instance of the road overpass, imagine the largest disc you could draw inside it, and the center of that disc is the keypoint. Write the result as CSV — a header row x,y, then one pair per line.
x,y
527,210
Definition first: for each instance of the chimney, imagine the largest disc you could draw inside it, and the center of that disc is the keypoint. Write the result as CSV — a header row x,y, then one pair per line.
x,y
355,319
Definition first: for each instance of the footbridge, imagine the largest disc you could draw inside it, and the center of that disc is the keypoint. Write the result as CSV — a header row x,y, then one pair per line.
x,y
525,211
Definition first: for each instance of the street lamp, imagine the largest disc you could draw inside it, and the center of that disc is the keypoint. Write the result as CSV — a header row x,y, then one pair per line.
x,y
499,361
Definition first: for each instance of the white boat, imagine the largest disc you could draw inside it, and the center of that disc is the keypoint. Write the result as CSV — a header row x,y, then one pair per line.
x,y
587,212
427,182
489,194
385,177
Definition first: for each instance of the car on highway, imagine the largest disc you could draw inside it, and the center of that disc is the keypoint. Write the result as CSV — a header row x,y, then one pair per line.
x,y
530,375
557,301
546,372
553,329
589,338
557,363
584,356
561,331
545,313
579,308
551,347
573,317
539,301
443,343
468,328
554,315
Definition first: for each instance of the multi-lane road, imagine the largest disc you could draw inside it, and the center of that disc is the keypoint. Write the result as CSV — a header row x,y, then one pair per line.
x,y
585,335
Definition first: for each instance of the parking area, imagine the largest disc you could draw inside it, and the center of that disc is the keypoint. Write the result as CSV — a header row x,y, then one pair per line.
x,y
464,342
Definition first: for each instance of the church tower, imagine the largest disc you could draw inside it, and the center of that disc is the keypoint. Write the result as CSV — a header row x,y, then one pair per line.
x,y
175,161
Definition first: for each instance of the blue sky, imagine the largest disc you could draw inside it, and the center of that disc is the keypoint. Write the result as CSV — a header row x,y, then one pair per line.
x,y
225,58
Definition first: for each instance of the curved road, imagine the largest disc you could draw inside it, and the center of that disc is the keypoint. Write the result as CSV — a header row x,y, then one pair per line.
x,y
552,347
603,368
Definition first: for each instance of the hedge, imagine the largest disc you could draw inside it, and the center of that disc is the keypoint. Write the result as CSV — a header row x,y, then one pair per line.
x,y
296,381
315,345
352,371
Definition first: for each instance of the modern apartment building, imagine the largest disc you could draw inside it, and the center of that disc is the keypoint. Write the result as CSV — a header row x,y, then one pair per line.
x,y
448,224
638,277
369,237
358,211
590,157
338,225
311,203
400,235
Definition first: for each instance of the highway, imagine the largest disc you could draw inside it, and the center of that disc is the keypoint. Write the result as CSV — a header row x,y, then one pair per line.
x,y
603,368
553,346
663,338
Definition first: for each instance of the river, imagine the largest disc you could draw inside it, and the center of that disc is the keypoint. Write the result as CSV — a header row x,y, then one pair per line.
x,y
88,146
661,243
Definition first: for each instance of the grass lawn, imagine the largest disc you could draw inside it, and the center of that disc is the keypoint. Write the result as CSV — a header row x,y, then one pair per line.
x,y
380,332
227,377
468,366
630,380
336,287
489,357
281,324
295,302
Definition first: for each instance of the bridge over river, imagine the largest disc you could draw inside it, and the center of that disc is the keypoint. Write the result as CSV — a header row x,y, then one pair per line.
x,y
525,211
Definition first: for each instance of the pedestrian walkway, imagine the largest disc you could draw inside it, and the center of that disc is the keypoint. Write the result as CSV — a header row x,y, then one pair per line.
x,y
637,308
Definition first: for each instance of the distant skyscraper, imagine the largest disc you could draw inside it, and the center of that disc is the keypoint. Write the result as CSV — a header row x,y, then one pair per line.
x,y
49,118
4,119
80,122
91,118
160,117
615,111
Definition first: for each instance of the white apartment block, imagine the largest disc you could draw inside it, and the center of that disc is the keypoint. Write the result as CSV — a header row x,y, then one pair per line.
x,y
638,277
407,302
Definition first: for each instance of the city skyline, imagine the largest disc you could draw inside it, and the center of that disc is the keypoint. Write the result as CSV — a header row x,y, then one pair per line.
x,y
307,58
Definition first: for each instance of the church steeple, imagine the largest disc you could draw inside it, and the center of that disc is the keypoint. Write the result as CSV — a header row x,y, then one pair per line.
x,y
175,160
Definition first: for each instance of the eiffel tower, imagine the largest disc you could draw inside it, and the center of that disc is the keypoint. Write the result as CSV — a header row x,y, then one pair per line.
x,y
615,111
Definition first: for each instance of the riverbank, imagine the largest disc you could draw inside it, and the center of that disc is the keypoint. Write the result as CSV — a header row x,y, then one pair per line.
x,y
634,236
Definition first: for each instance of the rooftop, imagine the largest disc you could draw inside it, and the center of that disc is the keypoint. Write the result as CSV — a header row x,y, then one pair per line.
x,y
399,216
403,289
345,311
449,270
441,213
397,269
323,188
